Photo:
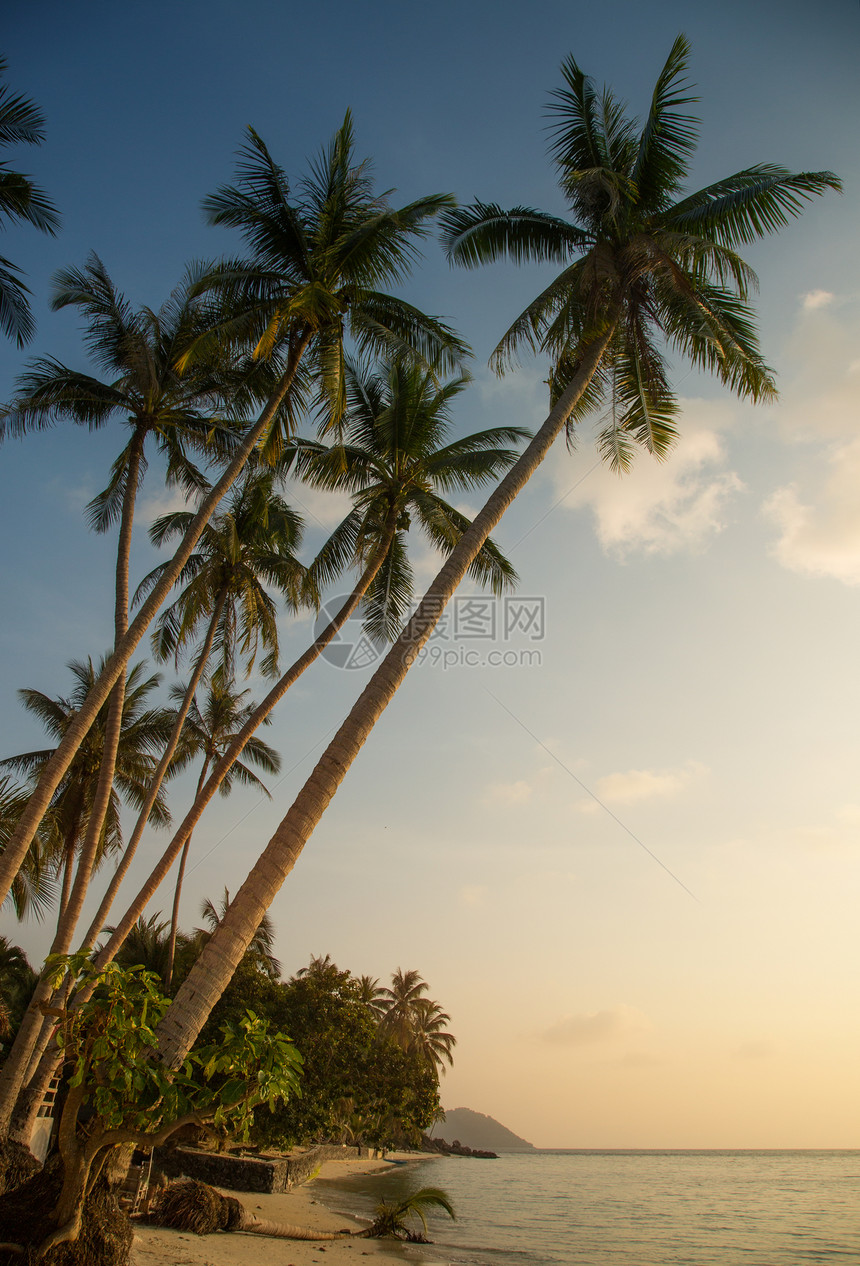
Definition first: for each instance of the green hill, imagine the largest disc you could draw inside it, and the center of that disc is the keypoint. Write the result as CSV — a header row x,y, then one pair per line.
x,y
474,1129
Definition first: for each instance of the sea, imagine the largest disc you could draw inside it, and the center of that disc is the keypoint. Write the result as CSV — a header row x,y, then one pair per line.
x,y
628,1208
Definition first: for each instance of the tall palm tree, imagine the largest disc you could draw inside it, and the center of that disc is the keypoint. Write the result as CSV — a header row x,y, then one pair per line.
x,y
320,269
143,731
642,257
21,123
81,830
136,352
247,546
431,1040
395,457
401,1004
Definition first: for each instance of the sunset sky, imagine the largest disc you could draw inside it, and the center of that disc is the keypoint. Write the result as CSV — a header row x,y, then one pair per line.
x,y
627,856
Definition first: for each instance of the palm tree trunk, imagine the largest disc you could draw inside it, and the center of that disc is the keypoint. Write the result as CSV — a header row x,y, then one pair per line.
x,y
53,772
234,751
157,779
31,1099
214,969
177,893
20,1057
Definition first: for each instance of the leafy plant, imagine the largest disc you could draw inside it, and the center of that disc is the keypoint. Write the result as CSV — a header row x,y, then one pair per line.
x,y
393,1219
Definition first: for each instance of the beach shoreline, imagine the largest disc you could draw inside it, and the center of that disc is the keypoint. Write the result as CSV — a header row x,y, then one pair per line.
x,y
308,1206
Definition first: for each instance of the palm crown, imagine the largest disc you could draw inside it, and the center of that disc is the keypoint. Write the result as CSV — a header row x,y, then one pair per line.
x,y
395,458
640,258
247,545
318,265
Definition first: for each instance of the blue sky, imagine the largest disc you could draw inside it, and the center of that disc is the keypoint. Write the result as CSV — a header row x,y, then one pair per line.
x,y
698,669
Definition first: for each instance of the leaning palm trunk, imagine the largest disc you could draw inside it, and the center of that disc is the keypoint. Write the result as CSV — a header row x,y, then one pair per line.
x,y
234,751
54,770
29,1087
39,1075
103,911
214,969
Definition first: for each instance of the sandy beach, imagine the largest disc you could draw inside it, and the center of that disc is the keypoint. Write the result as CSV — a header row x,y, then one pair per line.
x,y
157,1246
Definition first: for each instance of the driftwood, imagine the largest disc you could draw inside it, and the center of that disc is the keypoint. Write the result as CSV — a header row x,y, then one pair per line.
x,y
195,1206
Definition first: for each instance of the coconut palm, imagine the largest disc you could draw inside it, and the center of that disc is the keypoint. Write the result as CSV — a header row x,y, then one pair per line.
x,y
143,731
21,122
82,831
372,994
320,268
34,888
401,1002
431,1041
395,457
393,1219
247,546
644,260
136,353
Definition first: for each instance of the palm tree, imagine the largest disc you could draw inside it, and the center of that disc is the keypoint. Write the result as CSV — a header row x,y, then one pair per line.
x,y
207,733
401,1003
247,546
143,731
21,122
136,352
431,1041
372,994
319,268
649,258
34,888
251,542
17,981
147,945
395,458
393,1219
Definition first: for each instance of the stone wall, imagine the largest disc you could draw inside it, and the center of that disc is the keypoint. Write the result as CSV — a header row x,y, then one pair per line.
x,y
266,1173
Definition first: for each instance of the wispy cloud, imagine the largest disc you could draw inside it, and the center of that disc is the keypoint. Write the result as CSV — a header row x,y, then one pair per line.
x,y
817,299
644,784
611,1025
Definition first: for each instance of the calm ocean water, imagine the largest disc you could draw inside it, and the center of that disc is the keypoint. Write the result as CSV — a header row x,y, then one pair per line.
x,y
714,1208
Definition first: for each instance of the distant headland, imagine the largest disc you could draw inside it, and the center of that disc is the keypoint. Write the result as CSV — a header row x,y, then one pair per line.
x,y
479,1132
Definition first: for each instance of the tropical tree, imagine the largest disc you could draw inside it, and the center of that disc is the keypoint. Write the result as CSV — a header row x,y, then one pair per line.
x,y
642,261
401,1002
21,123
319,270
34,888
395,457
143,731
77,845
431,1040
136,352
247,548
260,951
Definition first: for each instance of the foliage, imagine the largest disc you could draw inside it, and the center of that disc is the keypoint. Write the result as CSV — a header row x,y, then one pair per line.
x,y
110,1045
357,1085
393,1219
21,123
